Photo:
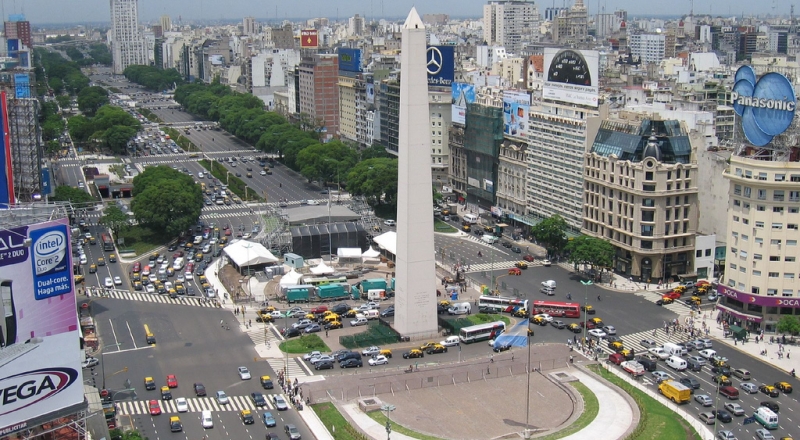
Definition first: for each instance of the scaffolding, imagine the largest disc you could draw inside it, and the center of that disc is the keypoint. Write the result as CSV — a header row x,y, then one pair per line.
x,y
277,237
26,147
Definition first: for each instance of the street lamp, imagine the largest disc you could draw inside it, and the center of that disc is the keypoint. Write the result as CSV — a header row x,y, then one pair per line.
x,y
586,285
103,361
386,408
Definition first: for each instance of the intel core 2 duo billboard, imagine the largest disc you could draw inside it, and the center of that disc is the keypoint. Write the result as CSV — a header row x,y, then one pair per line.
x,y
766,106
40,370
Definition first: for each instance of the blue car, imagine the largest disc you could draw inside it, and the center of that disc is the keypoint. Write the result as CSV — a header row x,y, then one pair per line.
x,y
269,420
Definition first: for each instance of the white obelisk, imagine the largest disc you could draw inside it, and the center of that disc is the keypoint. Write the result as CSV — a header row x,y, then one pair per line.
x,y
415,284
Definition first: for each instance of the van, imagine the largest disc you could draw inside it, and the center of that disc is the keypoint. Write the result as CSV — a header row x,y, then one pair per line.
x,y
178,263
372,314
550,284
729,392
451,341
766,417
376,294
470,218
677,363
463,308
547,291
742,374
490,239
206,419
674,349
633,368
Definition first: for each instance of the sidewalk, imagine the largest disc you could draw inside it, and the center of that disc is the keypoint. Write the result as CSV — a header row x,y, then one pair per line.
x,y
615,416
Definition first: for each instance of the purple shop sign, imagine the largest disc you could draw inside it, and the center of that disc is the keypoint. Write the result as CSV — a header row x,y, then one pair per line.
x,y
766,301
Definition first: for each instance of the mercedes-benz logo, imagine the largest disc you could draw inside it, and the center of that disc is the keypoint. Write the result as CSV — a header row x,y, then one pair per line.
x,y
435,60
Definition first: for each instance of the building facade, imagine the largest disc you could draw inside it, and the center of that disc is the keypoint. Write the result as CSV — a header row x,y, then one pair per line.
x,y
511,24
511,177
650,48
127,41
319,91
19,30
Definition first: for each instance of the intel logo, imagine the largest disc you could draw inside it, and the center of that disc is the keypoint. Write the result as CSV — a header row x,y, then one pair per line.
x,y
31,387
766,106
49,251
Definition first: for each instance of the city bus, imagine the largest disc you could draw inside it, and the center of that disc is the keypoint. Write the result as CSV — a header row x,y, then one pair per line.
x,y
499,304
108,243
481,332
321,281
557,308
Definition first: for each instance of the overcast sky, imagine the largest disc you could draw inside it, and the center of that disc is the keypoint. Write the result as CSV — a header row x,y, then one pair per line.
x,y
81,11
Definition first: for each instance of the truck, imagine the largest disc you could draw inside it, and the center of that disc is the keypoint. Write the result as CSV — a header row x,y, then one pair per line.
x,y
675,391
332,291
371,284
299,293
376,294
633,368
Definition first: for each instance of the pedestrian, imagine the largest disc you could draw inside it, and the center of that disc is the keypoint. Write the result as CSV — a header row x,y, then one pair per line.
x,y
221,323
249,322
788,354
326,333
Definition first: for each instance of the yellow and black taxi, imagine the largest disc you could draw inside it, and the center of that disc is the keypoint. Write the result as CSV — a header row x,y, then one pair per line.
x,y
588,309
351,313
79,279
679,289
538,320
180,289
444,303
92,240
166,393
597,322
136,276
721,379
266,382
769,390
521,265
436,348
247,417
101,261
466,227
330,317
520,313
574,328
137,285
413,353
149,383
333,325
616,346
264,316
175,424
694,300
627,354
786,387
427,345
112,258
172,293
665,300
386,352
93,268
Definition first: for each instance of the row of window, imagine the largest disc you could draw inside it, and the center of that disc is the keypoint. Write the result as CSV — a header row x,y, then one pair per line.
x,y
757,273
778,195
777,177
761,224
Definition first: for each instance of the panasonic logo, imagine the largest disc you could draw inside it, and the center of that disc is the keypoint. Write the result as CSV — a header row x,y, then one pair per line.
x,y
31,387
751,101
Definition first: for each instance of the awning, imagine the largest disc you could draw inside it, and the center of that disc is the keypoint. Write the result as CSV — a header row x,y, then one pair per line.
x,y
740,315
502,225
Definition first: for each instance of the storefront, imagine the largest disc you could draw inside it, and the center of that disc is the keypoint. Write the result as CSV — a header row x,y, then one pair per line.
x,y
755,312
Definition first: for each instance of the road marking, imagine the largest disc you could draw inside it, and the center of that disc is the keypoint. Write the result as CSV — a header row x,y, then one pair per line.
x,y
114,332
131,349
130,332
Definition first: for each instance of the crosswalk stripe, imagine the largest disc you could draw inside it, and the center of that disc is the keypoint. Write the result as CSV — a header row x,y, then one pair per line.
x,y
633,341
497,265
152,297
195,404
677,307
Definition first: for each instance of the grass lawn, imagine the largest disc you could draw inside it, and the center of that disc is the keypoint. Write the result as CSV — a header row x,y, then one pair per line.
x,y
379,417
141,240
483,318
590,409
440,226
336,423
657,421
304,344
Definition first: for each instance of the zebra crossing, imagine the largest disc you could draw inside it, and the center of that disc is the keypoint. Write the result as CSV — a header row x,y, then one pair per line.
x,y
677,306
196,404
296,366
497,265
149,297
263,335
633,341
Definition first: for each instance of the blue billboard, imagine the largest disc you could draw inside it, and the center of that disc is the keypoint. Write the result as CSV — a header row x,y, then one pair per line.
x,y
350,59
440,63
22,85
766,106
6,172
13,47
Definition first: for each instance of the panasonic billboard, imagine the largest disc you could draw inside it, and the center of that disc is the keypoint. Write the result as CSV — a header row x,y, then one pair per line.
x,y
766,106
40,371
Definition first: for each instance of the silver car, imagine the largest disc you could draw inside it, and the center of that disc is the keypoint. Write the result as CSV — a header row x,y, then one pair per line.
x,y
703,400
763,434
660,376
725,435
734,408
750,387
222,398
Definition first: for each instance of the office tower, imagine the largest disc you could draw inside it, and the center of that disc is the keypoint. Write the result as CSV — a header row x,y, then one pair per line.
x,y
249,26
355,26
511,24
127,41
650,48
319,91
166,23
18,28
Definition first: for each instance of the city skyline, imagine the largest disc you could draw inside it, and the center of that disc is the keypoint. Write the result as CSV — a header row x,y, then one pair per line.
x,y
93,11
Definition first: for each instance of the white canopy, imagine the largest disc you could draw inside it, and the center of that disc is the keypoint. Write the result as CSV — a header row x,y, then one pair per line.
x,y
371,253
321,269
245,253
387,241
291,278
348,253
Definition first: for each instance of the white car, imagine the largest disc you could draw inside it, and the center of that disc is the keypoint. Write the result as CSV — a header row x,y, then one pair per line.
x,y
390,222
89,362
313,354
323,358
371,351
312,202
450,342
222,398
378,360
150,288
659,352
545,316
117,281
108,282
707,353
263,173
750,387
546,263
181,279
596,333
244,373
181,404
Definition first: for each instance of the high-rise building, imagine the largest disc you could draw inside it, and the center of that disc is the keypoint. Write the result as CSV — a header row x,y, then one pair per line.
x,y
650,48
166,23
355,25
511,23
249,26
18,28
127,41
570,26
319,91
283,38
158,32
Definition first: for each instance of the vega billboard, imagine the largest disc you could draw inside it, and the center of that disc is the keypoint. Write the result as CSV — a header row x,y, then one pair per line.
x,y
766,106
571,76
463,94
350,59
440,63
516,109
40,356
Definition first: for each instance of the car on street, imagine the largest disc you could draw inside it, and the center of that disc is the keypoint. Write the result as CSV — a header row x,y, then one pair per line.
x,y
244,373
280,402
734,408
322,358
172,381
292,432
269,420
199,389
413,353
313,328
312,354
557,323
181,404
699,360
690,382
302,324
546,263
648,343
659,352
175,424
544,316
89,362
721,379
369,351
247,417
154,407
222,398
786,387
749,387
324,365
703,400
437,348
723,416
390,222
389,311
771,405
258,399
769,390
610,330
108,282
660,376
763,434
596,333
351,363
725,435
707,353
574,328
378,360
166,394
117,281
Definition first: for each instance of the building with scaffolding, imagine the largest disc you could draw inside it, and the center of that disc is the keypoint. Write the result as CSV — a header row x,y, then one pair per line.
x,y
24,133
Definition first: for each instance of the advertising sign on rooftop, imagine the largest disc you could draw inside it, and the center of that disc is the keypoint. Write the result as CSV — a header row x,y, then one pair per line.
x,y
766,106
440,64
309,39
463,94
350,60
39,334
571,76
516,109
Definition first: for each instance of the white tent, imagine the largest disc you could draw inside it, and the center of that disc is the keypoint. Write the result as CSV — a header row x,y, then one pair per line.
x,y
291,278
348,253
245,253
322,269
387,241
370,253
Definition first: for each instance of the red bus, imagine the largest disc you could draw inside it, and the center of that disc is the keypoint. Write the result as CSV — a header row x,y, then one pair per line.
x,y
108,244
557,308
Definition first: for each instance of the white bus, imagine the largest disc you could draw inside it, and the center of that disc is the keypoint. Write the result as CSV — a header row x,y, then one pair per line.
x,y
499,304
481,332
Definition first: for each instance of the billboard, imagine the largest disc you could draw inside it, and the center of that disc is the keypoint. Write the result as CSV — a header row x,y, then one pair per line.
x,y
571,76
22,85
12,44
41,371
440,64
766,106
463,94
309,39
350,59
370,93
516,109
6,171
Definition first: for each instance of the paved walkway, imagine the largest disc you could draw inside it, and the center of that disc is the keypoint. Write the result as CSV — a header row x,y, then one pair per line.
x,y
614,417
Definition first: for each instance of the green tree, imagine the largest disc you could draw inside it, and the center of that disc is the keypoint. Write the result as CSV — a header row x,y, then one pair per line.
x,y
117,137
590,250
166,200
375,151
80,128
70,194
326,162
551,233
375,179
64,101
91,99
114,219
788,324
153,176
